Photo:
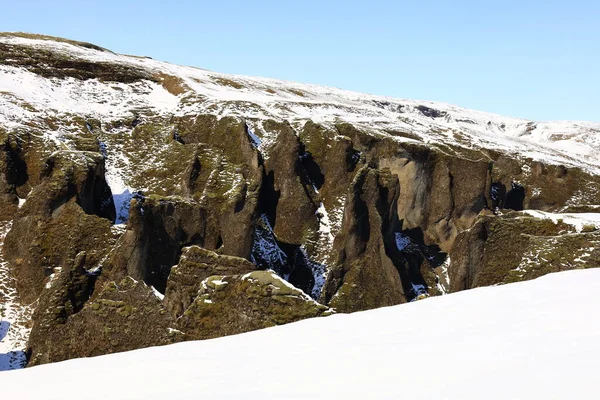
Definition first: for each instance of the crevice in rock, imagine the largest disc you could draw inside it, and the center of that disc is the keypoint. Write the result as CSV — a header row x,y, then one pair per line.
x,y
269,197
352,158
498,195
515,197
287,260
413,258
313,170
16,167
502,199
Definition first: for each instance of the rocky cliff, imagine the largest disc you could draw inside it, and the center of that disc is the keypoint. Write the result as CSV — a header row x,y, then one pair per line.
x,y
147,203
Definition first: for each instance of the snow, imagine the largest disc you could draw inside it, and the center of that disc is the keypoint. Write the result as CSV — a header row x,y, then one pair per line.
x,y
265,250
402,241
324,223
158,294
52,278
443,283
475,338
14,316
325,239
256,142
121,192
578,220
418,290
529,340
25,96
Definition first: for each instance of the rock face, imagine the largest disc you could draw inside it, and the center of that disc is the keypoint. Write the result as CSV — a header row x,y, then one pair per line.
x,y
195,265
69,211
157,230
292,194
365,276
122,316
156,203
515,247
226,305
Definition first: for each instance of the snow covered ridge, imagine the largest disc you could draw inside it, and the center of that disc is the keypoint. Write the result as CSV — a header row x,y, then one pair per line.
x,y
535,338
580,221
25,96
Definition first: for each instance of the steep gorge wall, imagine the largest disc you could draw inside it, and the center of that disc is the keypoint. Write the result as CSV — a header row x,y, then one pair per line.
x,y
355,220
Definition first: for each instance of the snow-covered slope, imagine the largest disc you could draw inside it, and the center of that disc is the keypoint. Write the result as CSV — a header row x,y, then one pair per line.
x,y
530,340
26,97
14,317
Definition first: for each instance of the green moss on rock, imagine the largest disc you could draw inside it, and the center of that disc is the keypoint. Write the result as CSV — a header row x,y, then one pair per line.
x,y
228,305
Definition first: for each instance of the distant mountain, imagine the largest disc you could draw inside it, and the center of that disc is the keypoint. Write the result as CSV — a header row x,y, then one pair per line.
x,y
144,203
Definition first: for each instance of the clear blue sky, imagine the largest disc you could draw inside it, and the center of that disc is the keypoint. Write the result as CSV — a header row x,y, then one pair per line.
x,y
531,59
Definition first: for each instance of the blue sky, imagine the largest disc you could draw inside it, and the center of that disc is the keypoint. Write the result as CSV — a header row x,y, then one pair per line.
x,y
531,59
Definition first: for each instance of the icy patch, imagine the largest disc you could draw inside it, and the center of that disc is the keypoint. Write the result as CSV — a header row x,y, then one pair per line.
x,y
402,241
256,142
118,229
265,250
219,283
289,285
237,182
418,291
541,253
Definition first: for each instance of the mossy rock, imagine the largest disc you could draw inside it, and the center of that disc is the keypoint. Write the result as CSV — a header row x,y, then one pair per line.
x,y
516,247
122,316
195,266
228,305
69,211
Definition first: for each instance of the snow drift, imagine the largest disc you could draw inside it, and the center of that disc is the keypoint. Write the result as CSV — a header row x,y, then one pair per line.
x,y
530,340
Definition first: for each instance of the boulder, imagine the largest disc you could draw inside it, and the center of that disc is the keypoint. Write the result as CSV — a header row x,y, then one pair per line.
x,y
232,304
195,265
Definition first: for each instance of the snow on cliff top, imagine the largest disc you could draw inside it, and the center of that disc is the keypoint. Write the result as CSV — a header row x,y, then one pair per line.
x,y
529,340
25,96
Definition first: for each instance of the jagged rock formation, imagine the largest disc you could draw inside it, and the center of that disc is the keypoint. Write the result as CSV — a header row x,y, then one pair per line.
x,y
365,276
152,203
195,266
